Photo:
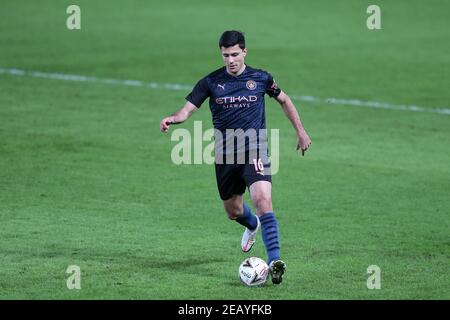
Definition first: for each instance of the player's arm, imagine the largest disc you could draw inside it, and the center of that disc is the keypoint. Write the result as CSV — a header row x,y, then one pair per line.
x,y
303,140
193,102
178,117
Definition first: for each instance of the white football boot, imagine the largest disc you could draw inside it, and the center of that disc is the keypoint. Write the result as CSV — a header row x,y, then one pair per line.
x,y
249,237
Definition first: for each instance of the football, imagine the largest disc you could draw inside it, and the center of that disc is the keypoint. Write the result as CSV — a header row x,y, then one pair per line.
x,y
253,272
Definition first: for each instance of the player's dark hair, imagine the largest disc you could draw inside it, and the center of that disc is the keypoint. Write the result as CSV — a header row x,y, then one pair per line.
x,y
231,38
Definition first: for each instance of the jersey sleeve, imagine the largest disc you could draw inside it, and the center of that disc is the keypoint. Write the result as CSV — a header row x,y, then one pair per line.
x,y
272,88
200,93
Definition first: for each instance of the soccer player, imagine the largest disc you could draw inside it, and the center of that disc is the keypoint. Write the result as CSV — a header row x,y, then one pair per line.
x,y
236,100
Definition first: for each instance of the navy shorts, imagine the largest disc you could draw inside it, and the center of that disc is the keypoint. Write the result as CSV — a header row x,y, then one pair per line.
x,y
233,178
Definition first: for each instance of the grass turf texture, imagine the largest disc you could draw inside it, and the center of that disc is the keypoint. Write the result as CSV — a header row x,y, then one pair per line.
x,y
86,177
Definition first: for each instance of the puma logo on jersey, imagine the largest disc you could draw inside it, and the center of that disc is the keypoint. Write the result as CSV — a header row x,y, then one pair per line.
x,y
221,86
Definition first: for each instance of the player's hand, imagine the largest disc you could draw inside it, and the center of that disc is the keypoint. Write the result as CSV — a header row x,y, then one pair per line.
x,y
165,124
303,142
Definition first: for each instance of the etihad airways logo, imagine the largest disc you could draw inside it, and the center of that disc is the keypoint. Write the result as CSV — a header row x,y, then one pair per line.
x,y
236,102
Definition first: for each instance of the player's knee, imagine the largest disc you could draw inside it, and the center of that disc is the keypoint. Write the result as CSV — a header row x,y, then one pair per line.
x,y
234,208
234,212
263,204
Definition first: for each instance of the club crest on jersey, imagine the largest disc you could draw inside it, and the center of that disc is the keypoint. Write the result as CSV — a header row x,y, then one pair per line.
x,y
251,85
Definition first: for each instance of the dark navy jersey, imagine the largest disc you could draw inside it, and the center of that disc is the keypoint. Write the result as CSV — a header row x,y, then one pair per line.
x,y
236,102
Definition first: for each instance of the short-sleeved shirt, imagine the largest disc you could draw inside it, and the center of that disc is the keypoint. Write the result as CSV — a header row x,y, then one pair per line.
x,y
236,102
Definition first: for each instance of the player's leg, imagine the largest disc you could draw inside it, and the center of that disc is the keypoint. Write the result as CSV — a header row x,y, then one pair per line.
x,y
231,187
261,195
239,211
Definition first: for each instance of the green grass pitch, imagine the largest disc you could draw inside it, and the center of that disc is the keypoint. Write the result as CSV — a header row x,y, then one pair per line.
x,y
86,177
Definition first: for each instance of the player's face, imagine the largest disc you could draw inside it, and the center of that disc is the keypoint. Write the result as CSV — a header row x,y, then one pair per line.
x,y
233,57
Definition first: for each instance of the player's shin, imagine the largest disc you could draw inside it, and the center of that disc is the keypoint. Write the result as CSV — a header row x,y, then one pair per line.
x,y
269,229
248,219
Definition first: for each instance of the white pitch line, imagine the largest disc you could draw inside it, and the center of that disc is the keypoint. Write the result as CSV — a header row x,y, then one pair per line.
x,y
175,86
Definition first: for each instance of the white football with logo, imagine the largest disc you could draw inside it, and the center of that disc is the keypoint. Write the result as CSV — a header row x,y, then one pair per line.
x,y
253,271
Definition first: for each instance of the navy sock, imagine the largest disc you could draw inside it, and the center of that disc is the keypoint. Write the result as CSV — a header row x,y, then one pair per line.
x,y
248,219
269,229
